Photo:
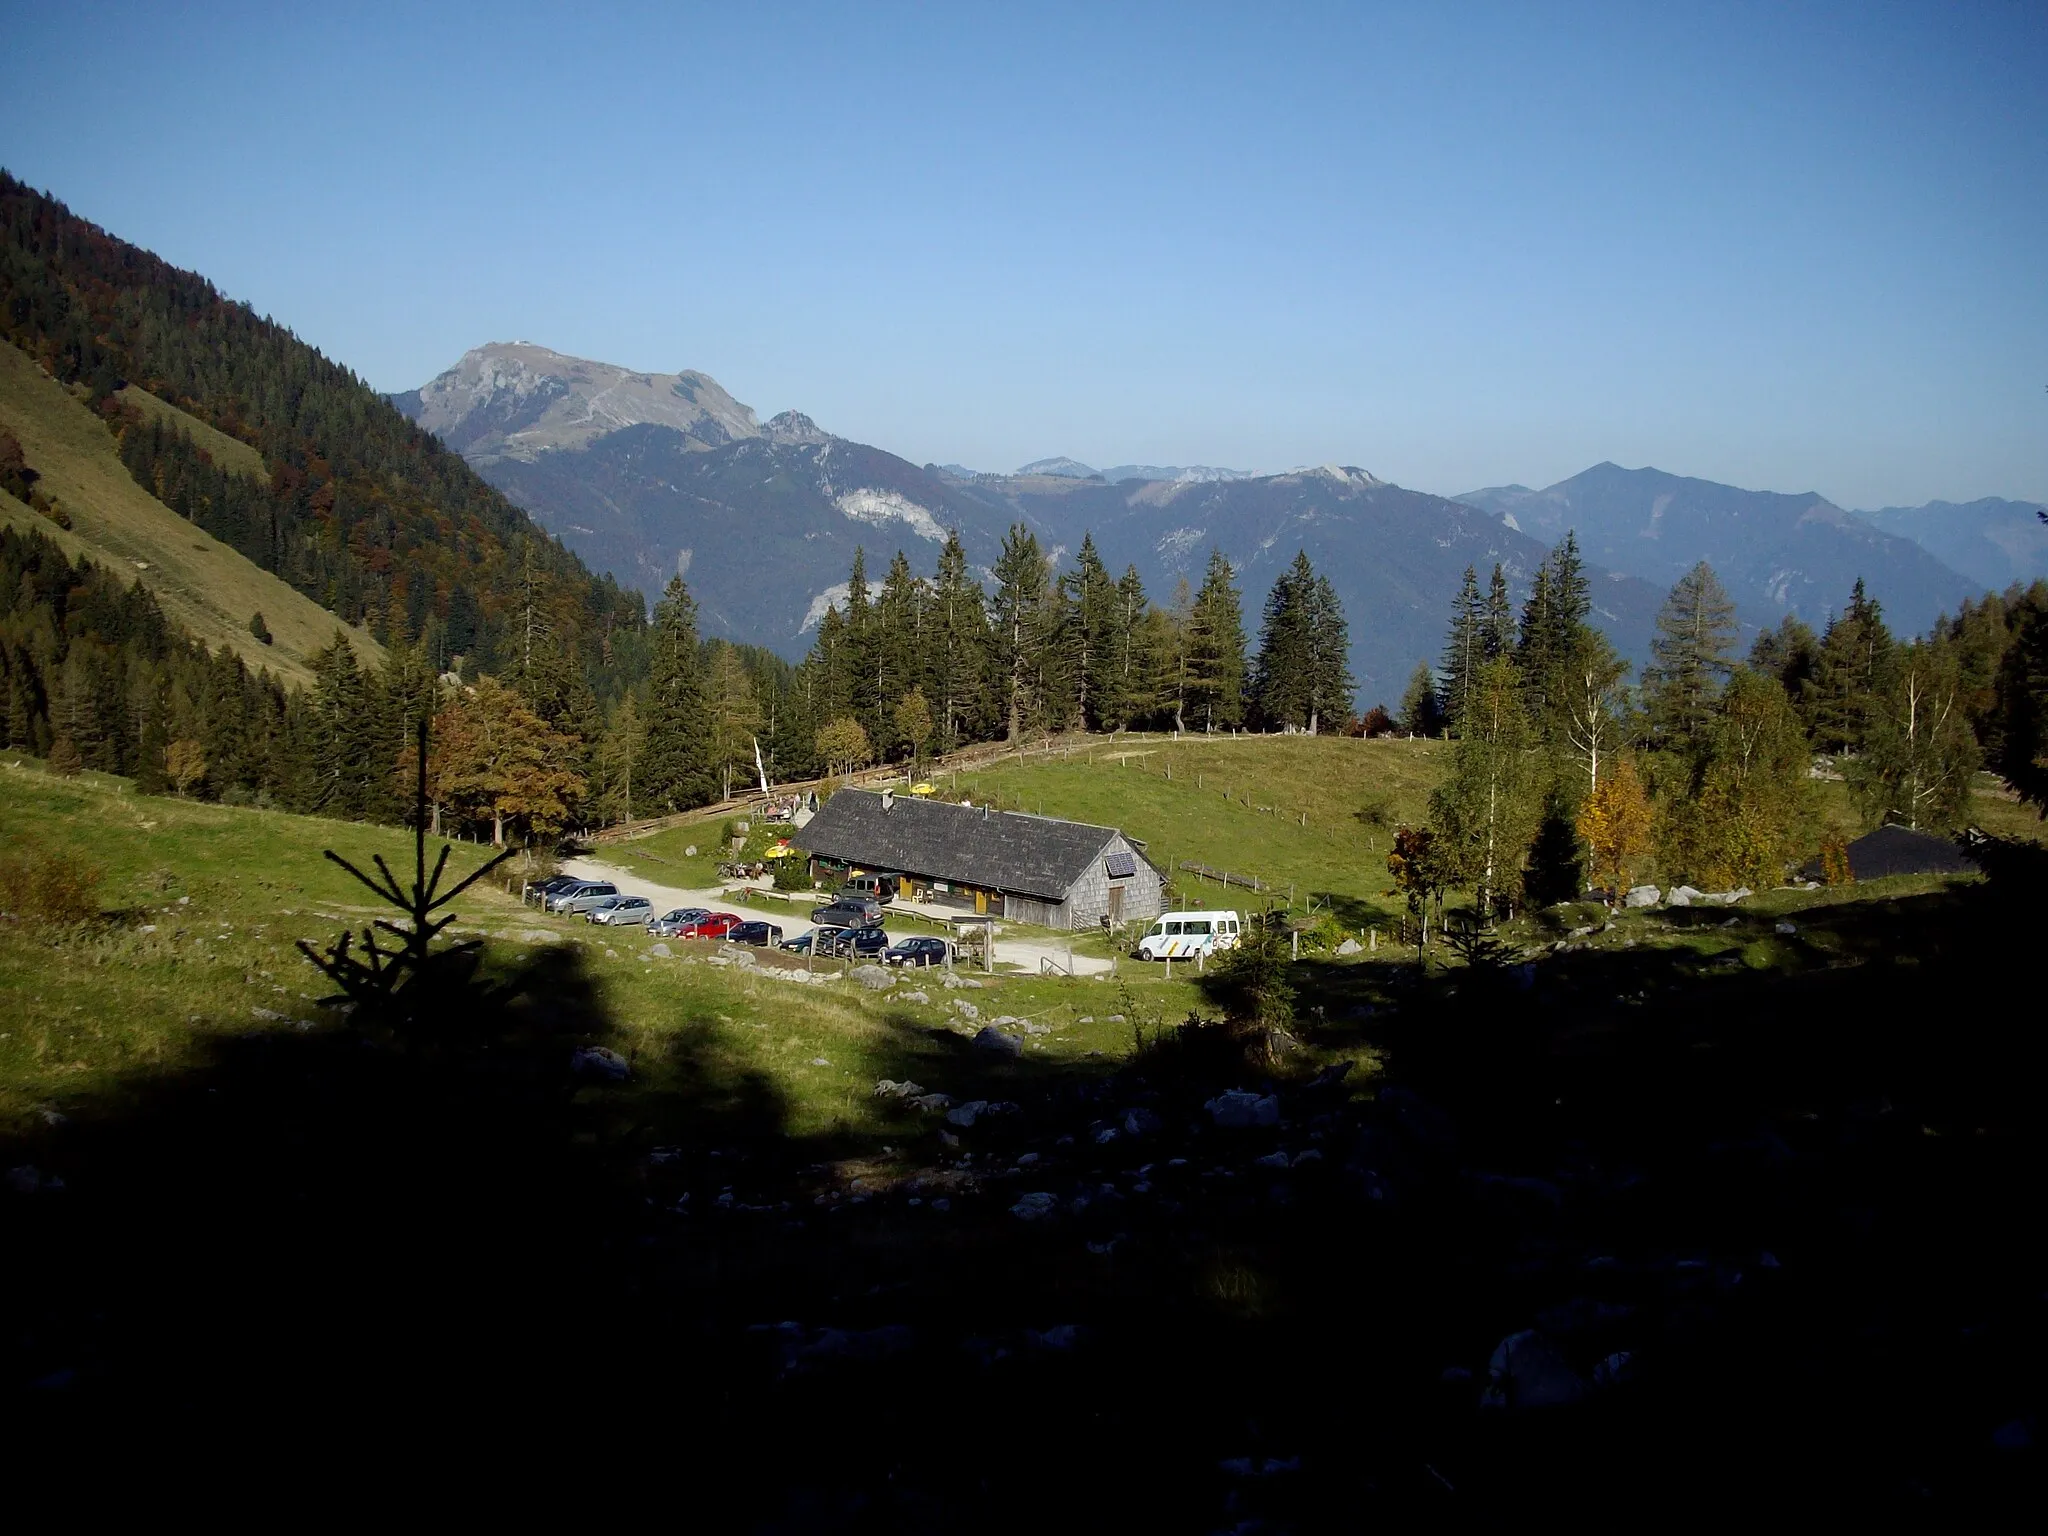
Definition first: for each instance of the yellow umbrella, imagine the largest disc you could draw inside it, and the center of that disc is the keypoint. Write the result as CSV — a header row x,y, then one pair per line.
x,y
922,789
779,851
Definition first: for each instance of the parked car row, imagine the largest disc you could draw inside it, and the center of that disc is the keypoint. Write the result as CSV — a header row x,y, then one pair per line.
x,y
848,927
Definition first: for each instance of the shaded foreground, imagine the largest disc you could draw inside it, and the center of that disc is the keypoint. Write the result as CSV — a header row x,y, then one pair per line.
x,y
1752,1238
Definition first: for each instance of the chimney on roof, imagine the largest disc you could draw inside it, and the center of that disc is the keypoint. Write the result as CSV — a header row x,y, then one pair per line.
x,y
888,798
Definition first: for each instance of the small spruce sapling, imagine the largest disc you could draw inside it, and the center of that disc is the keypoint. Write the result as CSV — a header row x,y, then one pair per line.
x,y
396,983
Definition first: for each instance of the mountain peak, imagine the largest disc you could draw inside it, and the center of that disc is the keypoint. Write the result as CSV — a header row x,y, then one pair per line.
x,y
1065,468
517,399
794,427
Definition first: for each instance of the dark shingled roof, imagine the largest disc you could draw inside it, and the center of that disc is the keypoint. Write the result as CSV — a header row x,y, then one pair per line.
x,y
1902,851
998,850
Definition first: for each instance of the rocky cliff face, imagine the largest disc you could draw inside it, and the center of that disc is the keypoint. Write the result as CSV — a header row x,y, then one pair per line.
x,y
516,400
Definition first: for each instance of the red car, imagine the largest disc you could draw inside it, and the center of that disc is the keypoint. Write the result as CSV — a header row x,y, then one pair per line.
x,y
716,926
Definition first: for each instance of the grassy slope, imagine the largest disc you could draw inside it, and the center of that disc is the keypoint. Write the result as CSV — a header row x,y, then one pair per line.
x,y
202,584
227,452
85,1013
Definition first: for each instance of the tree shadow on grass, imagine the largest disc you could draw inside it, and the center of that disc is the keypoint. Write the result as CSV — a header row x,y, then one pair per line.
x,y
308,1231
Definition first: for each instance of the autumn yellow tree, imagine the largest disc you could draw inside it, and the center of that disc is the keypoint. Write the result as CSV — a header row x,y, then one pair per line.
x,y
184,765
502,763
843,745
1616,822
914,724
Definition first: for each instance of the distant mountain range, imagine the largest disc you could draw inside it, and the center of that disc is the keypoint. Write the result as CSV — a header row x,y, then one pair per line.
x,y
647,475
1074,469
1780,554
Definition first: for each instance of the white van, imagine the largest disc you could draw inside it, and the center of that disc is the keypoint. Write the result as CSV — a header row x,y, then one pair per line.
x,y
1184,935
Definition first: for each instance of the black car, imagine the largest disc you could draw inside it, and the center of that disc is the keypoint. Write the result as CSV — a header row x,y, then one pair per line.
x,y
917,951
760,935
861,944
541,890
848,914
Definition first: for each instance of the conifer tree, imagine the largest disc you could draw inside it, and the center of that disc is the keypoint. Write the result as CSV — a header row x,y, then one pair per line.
x,y
1024,628
618,757
1498,629
1421,714
897,643
1127,681
1852,669
1091,611
1465,649
676,768
1333,692
2020,707
959,652
1283,675
1691,649
1215,651
349,781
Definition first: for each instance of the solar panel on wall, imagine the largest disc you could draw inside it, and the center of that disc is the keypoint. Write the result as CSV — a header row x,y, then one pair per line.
x,y
1120,864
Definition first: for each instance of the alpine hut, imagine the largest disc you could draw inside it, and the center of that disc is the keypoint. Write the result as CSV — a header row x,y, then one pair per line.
x,y
1029,869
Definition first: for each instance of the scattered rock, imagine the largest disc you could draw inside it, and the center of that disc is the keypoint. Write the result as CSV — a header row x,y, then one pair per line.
x,y
1786,928
1528,1372
743,957
1237,1110
269,1015
1724,898
1615,1369
932,1103
1641,896
865,1346
1580,933
965,1009
964,1115
1683,896
889,1088
1350,947
912,997
1035,1207
996,1043
600,1061
819,1061
662,951
1141,1122
1086,1018
874,977
1271,1160
690,852
29,1180
1115,1018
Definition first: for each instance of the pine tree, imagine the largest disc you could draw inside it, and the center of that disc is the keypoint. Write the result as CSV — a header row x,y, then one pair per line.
x,y
1498,628
1695,636
959,653
1332,692
1092,602
1465,649
1421,715
895,648
913,722
1024,627
1283,674
2020,709
1127,688
1853,667
349,781
618,759
676,769
1215,651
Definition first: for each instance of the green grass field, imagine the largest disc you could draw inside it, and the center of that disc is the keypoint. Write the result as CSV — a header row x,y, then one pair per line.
x,y
202,584
202,904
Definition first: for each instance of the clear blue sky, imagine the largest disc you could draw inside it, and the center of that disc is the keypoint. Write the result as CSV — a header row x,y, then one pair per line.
x,y
1791,247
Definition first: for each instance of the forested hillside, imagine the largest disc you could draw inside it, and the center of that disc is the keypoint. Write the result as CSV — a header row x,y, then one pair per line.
x,y
360,510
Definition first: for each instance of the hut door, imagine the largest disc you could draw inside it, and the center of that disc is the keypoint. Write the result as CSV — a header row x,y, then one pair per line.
x,y
981,902
1116,904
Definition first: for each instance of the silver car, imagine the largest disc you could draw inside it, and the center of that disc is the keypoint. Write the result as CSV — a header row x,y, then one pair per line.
x,y
582,896
621,911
